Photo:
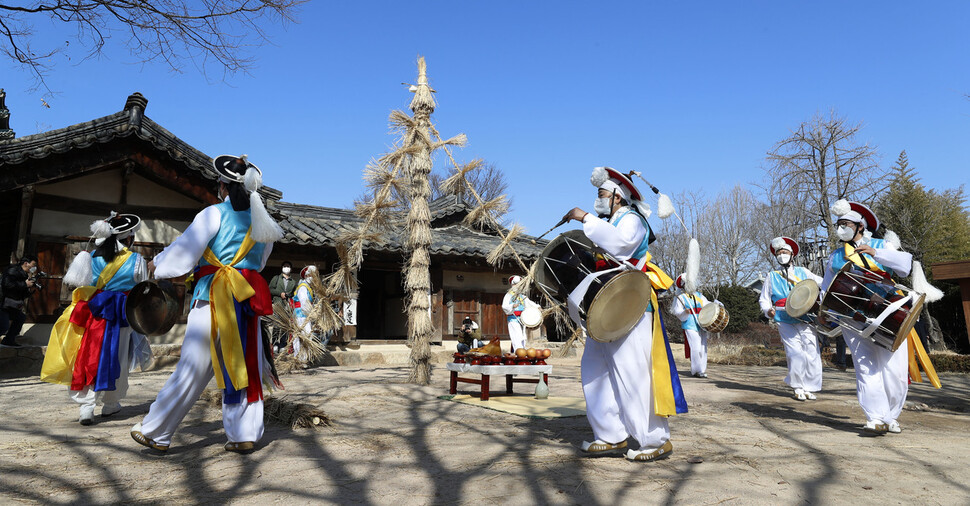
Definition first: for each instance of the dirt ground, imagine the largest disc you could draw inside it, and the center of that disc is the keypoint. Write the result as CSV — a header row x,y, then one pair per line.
x,y
395,443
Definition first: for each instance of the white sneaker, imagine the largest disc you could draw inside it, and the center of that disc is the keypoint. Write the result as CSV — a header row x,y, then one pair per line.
x,y
810,396
87,415
894,427
110,409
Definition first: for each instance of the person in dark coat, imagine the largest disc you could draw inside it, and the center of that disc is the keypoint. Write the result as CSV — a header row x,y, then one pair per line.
x,y
17,284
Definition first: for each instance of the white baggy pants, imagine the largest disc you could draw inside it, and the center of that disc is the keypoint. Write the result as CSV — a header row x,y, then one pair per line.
x,y
882,377
243,421
307,326
516,334
698,350
804,359
110,399
617,384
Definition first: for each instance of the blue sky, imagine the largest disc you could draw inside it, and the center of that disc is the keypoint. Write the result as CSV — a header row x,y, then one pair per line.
x,y
691,93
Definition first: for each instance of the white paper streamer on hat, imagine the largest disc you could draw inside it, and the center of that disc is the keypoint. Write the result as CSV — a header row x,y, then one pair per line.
x,y
265,228
892,240
80,272
779,243
841,207
921,285
665,207
693,266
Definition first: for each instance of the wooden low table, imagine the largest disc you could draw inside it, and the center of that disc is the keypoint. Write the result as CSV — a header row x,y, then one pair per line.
x,y
486,371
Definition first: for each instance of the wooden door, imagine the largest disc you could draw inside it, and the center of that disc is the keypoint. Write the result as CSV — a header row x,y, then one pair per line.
x,y
494,321
44,305
465,305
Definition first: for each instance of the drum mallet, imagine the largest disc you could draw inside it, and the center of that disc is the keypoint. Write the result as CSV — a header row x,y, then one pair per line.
x,y
561,222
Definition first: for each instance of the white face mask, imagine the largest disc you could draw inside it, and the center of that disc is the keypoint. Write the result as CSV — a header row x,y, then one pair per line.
x,y
783,258
845,233
286,270
602,206
33,269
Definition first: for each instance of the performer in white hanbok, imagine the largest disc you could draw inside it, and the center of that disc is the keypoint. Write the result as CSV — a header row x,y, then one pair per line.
x,y
685,307
881,375
512,305
801,344
91,342
630,384
228,244
302,305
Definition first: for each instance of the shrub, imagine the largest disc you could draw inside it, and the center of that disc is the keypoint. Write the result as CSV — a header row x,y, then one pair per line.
x,y
742,306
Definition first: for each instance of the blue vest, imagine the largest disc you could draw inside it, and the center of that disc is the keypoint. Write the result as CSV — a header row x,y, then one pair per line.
x,y
123,280
692,303
838,257
232,230
302,312
781,287
518,305
644,246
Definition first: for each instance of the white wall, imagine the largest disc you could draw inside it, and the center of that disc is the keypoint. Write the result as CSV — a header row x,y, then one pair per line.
x,y
57,223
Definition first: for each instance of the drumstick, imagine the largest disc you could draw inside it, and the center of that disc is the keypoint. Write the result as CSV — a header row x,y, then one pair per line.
x,y
557,225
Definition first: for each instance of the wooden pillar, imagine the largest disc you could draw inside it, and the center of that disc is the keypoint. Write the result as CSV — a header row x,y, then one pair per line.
x,y
125,178
965,297
438,310
23,227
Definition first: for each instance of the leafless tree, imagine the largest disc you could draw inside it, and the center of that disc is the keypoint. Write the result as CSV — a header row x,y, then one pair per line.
x,y
175,32
785,213
729,238
823,161
488,180
670,249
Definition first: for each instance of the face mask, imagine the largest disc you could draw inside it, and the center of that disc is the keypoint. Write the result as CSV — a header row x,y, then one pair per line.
x,y
602,206
286,270
783,258
845,233
33,269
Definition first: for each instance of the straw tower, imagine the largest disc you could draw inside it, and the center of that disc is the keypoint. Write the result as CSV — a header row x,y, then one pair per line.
x,y
417,280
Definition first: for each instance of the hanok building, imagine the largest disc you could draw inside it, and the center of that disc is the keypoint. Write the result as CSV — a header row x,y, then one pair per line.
x,y
54,184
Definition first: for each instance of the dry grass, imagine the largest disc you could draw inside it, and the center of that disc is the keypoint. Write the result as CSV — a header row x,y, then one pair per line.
x,y
950,362
278,410
738,354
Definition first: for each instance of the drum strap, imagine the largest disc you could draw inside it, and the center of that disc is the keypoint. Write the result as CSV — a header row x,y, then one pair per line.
x,y
792,282
860,259
877,321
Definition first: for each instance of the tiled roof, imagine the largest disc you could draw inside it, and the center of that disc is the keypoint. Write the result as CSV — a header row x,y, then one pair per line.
x,y
130,122
322,226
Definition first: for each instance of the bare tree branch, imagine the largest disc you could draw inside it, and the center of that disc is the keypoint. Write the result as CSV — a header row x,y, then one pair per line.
x,y
175,32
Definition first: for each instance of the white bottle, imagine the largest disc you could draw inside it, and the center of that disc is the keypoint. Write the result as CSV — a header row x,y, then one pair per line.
x,y
542,389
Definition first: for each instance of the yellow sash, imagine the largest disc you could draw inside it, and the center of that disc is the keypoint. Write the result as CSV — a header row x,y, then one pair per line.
x,y
66,337
855,257
309,288
658,278
663,391
918,358
228,284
